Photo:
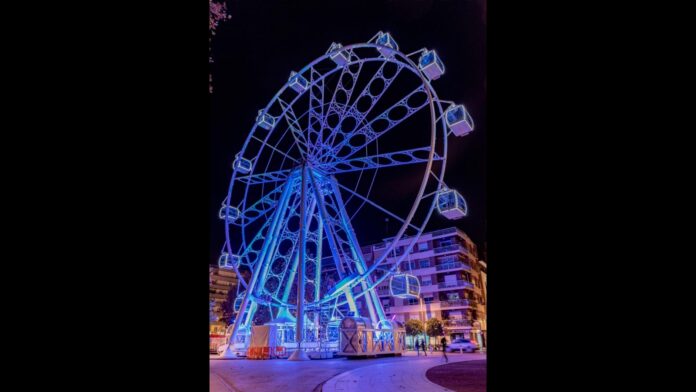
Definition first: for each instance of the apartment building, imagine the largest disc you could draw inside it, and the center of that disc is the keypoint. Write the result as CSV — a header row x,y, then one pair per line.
x,y
452,282
222,287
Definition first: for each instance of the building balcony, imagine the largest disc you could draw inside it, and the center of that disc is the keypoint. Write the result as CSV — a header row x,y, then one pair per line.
x,y
438,233
428,288
450,248
221,287
457,284
415,254
457,323
223,278
218,296
457,265
382,291
455,303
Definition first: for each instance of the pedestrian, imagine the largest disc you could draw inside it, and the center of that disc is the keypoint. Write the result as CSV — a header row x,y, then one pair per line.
x,y
423,347
415,342
443,341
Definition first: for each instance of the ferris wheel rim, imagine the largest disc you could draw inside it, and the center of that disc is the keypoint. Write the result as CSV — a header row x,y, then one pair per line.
x,y
432,100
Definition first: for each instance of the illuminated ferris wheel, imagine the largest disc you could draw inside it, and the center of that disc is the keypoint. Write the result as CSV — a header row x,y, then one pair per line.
x,y
328,155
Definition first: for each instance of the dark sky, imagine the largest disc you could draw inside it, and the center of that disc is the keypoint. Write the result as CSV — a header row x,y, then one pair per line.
x,y
264,40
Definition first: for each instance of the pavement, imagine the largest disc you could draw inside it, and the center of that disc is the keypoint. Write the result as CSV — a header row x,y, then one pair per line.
x,y
406,373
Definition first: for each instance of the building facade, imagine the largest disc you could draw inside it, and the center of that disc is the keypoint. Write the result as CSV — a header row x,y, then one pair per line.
x,y
223,284
452,283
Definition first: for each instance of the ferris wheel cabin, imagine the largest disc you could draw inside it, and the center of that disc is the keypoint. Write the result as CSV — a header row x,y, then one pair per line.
x,y
229,213
338,56
404,286
387,44
298,82
227,261
241,165
238,301
431,65
265,121
459,121
451,204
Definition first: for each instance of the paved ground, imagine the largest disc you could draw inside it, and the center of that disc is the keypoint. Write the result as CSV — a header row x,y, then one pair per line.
x,y
405,373
467,376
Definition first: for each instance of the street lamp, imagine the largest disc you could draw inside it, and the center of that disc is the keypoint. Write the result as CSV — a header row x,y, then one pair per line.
x,y
425,325
477,327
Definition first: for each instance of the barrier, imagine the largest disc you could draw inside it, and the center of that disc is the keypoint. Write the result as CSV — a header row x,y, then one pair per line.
x,y
359,339
216,341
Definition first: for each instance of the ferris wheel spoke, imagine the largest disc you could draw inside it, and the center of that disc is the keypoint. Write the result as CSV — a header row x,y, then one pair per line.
x,y
368,129
334,106
360,116
398,158
377,206
332,103
433,193
263,205
277,150
295,128
263,178
349,91
316,104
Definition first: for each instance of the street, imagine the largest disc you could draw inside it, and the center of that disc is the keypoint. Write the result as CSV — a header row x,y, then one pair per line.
x,y
406,373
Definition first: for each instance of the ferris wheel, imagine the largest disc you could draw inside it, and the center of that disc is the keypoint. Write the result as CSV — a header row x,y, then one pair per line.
x,y
355,136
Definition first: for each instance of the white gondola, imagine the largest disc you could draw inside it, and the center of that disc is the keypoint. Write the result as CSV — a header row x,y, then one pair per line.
x,y
238,301
298,82
387,44
404,286
265,120
459,120
223,260
241,165
431,65
229,213
338,56
228,261
451,204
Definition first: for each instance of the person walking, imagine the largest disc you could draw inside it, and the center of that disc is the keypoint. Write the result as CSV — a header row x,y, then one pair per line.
x,y
423,347
443,341
417,344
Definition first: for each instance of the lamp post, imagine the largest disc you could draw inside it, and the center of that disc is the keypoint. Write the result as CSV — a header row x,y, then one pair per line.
x,y
425,326
479,340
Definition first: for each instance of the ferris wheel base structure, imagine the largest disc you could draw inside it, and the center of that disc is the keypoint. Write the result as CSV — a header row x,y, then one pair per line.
x,y
300,217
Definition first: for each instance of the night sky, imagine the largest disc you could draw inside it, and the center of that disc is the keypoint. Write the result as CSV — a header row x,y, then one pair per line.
x,y
264,40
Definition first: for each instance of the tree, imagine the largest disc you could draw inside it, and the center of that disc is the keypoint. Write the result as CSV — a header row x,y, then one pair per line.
x,y
217,13
413,327
434,328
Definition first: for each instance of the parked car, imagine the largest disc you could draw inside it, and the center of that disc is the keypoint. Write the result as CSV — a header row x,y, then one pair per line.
x,y
462,344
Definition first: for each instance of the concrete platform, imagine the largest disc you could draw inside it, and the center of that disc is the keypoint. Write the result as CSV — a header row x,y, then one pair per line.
x,y
394,376
405,373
